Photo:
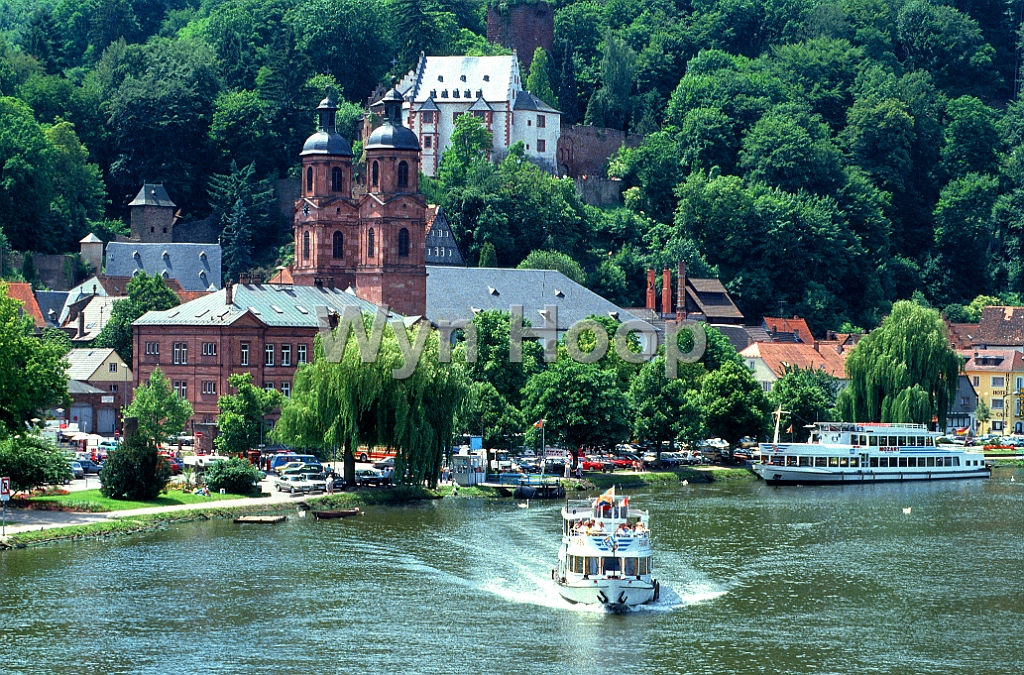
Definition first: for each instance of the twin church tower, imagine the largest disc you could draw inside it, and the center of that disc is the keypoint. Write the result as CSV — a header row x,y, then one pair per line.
x,y
373,244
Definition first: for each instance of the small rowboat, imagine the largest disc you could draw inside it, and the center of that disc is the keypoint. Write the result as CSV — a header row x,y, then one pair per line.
x,y
343,513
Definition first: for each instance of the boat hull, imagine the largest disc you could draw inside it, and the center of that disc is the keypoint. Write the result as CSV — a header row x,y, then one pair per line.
x,y
617,593
786,475
331,515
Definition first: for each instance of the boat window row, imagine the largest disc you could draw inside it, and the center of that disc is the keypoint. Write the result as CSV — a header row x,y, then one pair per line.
x,y
892,441
587,565
902,461
807,460
914,462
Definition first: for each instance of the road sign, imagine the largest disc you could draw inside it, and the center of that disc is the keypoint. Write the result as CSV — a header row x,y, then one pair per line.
x,y
5,489
199,434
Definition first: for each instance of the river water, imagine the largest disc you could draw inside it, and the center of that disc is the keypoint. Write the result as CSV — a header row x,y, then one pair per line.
x,y
754,580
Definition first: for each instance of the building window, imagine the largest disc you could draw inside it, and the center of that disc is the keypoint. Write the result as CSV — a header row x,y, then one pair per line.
x,y
305,246
339,248
286,355
113,387
997,403
369,244
375,174
542,122
286,389
542,145
112,367
181,353
309,179
403,243
336,179
269,356
975,380
268,386
428,117
998,382
181,388
209,388
428,141
244,352
152,347
997,426
403,174
301,353
209,349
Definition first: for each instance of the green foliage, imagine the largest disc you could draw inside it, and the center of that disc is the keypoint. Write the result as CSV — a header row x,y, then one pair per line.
x,y
161,412
488,258
29,461
664,409
487,414
145,293
470,144
553,260
733,403
235,476
903,371
806,396
241,421
33,373
237,242
134,471
538,82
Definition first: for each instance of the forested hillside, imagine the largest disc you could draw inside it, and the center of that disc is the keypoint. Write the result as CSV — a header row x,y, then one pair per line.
x,y
825,158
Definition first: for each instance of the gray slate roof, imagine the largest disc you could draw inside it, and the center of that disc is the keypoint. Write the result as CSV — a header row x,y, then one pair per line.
x,y
82,363
51,301
273,304
195,266
152,195
454,292
527,101
81,388
441,246
446,72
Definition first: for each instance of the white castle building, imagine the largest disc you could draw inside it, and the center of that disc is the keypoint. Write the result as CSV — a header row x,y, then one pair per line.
x,y
441,88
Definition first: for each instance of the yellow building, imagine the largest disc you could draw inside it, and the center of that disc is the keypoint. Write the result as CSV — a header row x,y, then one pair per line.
x,y
998,377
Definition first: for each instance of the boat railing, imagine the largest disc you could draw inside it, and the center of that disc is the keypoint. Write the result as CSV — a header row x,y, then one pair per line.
x,y
522,479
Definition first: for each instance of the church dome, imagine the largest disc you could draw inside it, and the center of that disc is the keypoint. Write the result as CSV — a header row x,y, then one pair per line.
x,y
392,134
326,140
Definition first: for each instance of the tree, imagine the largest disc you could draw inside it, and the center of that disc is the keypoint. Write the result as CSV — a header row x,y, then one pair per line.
x,y
582,404
553,260
257,199
538,82
903,371
487,414
982,412
29,461
237,242
134,471
470,142
964,238
971,140
33,373
664,409
806,395
492,363
241,421
235,476
488,258
733,403
568,94
161,412
145,293
610,106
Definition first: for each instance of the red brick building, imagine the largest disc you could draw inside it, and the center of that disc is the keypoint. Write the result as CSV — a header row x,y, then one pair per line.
x,y
374,244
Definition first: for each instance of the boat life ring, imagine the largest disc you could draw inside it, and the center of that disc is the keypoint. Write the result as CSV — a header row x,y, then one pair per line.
x,y
835,438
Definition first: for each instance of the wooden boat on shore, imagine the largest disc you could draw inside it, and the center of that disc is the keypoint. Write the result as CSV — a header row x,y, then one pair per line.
x,y
330,515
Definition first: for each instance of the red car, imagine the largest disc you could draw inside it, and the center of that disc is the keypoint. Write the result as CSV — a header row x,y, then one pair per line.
x,y
622,462
596,464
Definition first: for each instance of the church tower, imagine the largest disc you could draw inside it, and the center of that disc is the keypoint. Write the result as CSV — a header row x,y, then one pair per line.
x,y
326,221
392,218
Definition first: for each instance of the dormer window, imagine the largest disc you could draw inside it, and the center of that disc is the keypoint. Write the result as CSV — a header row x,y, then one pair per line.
x,y
444,93
467,93
440,78
479,93
433,93
462,77
455,93
487,78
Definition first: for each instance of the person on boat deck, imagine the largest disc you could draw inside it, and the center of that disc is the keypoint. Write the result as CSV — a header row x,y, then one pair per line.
x,y
640,528
598,527
622,530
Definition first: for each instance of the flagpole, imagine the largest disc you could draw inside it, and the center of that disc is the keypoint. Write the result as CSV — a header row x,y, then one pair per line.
x,y
543,451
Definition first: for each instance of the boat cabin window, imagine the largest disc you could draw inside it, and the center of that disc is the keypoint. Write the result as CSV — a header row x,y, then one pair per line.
x,y
593,565
928,440
893,440
854,461
611,565
820,461
931,461
956,461
790,460
629,566
643,565
844,461
874,461
805,461
903,462
902,440
833,461
873,441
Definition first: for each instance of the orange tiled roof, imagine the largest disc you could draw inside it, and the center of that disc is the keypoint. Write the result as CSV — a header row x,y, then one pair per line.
x,y
780,355
431,214
993,360
283,277
22,291
1001,326
796,325
961,335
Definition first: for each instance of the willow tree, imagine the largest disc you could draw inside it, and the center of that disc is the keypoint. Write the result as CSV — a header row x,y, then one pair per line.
x,y
340,400
903,371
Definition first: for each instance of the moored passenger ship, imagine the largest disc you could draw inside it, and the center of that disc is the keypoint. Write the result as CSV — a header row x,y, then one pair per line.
x,y
848,452
605,556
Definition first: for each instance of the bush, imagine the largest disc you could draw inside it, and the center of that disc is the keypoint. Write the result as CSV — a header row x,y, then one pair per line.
x,y
134,471
236,476
31,461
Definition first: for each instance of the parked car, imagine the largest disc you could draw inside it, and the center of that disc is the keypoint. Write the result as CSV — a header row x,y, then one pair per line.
x,y
369,477
77,470
173,462
594,463
292,483
388,463
317,481
89,466
289,467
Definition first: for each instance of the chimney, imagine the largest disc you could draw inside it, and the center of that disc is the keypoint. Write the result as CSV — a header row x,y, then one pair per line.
x,y
681,292
81,323
650,290
330,283
666,291
243,278
229,296
257,279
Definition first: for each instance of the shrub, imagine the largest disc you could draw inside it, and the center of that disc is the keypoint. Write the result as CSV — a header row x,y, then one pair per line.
x,y
134,471
236,476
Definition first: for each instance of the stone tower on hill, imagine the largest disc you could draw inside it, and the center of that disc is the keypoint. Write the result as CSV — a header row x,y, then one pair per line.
x,y
373,244
152,215
523,27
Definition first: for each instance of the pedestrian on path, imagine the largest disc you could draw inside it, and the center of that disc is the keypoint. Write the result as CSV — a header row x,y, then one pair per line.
x,y
330,483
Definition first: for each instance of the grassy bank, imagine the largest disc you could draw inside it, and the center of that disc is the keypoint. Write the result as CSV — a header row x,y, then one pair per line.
x,y
604,481
92,501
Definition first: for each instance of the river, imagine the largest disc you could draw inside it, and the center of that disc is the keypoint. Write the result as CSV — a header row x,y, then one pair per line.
x,y
754,580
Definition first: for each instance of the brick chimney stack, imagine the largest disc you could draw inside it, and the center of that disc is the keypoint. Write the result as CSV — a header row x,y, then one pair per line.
x,y
681,292
229,295
666,291
650,290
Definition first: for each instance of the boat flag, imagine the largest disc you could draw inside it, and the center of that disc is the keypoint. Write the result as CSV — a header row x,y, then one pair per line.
x,y
539,424
607,498
625,501
790,429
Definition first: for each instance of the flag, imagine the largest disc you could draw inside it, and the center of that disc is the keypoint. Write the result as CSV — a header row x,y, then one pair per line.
x,y
607,498
790,429
539,424
625,502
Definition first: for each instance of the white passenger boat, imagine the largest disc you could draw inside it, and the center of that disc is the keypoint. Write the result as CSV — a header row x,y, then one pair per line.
x,y
849,452
605,556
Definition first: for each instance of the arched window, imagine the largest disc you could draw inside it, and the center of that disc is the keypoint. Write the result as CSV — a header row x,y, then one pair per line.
x,y
305,246
336,179
403,174
403,241
369,241
375,175
339,249
309,179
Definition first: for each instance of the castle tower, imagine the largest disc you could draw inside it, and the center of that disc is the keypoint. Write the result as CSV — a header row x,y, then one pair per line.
x,y
392,217
326,218
152,215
